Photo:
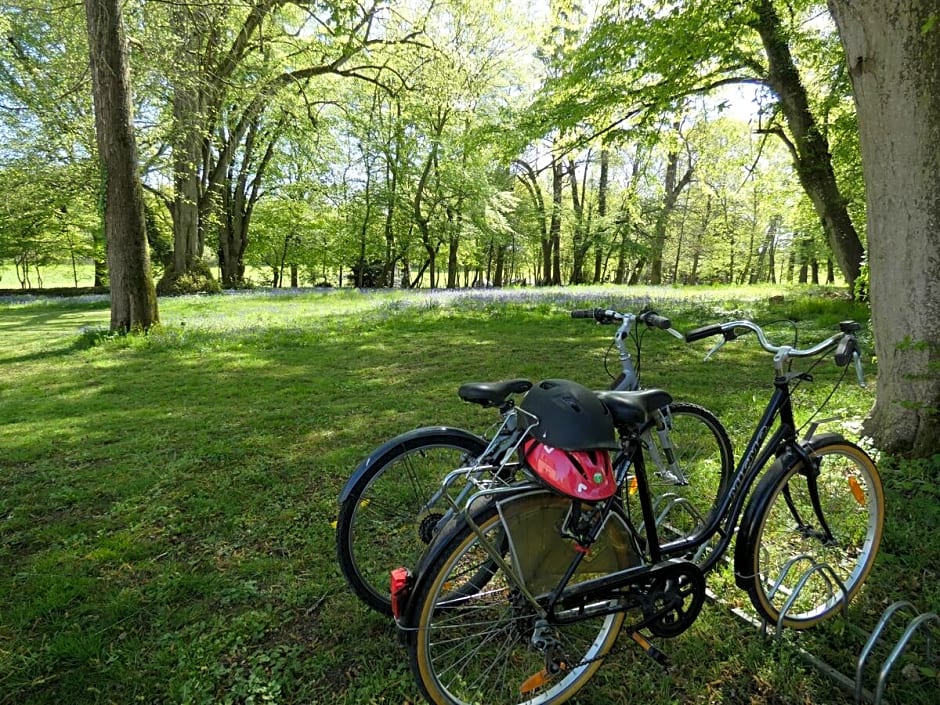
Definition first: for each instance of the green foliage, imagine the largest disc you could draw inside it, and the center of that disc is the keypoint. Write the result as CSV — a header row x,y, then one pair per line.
x,y
197,279
335,163
862,284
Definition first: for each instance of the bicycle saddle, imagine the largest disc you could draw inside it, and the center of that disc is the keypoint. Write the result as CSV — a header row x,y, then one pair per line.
x,y
633,408
492,393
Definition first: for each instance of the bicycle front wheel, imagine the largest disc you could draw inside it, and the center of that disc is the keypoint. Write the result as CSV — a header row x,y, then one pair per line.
x,y
476,643
689,462
814,535
383,519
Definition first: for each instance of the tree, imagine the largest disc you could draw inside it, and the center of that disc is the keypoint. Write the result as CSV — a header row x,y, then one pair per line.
x,y
46,118
644,57
893,55
133,299
809,145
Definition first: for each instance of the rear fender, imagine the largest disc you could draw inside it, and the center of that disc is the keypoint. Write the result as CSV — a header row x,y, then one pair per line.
x,y
408,621
412,439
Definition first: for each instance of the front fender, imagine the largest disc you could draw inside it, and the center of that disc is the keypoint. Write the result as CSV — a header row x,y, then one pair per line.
x,y
427,435
745,545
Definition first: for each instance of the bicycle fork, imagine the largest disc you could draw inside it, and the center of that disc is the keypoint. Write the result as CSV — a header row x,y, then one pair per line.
x,y
810,471
668,470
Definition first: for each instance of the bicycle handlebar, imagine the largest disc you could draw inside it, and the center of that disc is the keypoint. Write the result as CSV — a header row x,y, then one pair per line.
x,y
606,315
847,349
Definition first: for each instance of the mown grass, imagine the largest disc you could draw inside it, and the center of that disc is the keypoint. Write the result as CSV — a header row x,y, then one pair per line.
x,y
166,501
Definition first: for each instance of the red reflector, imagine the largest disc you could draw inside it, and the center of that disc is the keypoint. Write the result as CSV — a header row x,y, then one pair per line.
x,y
400,589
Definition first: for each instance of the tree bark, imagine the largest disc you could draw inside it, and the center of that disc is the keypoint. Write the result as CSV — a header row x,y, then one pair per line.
x,y
673,188
133,299
558,171
810,148
893,54
602,186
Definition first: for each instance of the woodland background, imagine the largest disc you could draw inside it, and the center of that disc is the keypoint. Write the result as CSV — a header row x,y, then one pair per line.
x,y
428,143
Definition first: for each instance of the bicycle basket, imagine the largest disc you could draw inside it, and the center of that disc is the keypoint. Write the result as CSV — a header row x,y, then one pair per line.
x,y
542,556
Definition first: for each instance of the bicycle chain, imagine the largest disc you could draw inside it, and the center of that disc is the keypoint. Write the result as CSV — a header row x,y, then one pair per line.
x,y
634,629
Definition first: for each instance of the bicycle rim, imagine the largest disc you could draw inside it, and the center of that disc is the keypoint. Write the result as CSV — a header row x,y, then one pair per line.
x,y
684,502
476,647
797,572
385,523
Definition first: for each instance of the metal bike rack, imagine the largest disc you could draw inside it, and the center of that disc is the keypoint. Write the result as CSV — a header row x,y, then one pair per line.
x,y
823,569
927,623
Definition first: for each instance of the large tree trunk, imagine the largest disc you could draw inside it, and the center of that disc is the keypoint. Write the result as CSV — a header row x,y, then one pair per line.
x,y
133,299
810,148
894,62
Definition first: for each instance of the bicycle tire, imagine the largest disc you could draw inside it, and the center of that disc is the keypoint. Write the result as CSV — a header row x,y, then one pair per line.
x,y
705,457
381,524
784,560
474,645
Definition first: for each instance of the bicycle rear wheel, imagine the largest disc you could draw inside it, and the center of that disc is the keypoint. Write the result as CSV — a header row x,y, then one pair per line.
x,y
383,521
789,562
685,495
473,642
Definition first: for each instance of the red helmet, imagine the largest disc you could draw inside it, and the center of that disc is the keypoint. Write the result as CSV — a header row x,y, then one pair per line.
x,y
582,474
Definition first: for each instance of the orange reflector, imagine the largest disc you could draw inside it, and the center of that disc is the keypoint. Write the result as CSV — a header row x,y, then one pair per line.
x,y
857,490
634,488
641,640
537,680
534,682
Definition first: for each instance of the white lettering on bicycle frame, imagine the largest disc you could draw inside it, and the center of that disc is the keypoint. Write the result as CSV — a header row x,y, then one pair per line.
x,y
746,462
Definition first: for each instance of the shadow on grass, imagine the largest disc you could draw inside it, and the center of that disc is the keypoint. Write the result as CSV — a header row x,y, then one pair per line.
x,y
166,501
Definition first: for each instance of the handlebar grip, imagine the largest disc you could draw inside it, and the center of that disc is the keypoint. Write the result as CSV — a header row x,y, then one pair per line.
x,y
583,313
651,318
703,332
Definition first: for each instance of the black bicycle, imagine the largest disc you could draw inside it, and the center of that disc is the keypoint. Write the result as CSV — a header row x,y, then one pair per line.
x,y
393,503
522,595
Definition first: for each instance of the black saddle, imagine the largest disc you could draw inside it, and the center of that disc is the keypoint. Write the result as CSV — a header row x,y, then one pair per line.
x,y
492,393
633,409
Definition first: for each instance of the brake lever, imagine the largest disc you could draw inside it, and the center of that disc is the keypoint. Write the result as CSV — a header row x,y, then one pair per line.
x,y
714,349
859,372
675,334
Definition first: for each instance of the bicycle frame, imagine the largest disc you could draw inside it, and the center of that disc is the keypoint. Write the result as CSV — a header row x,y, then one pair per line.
x,y
757,454
501,446
602,591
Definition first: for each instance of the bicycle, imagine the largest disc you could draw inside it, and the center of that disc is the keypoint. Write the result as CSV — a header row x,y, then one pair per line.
x,y
392,504
521,597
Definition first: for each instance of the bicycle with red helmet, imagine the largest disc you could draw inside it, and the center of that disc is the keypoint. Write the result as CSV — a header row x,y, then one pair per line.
x,y
392,505
522,594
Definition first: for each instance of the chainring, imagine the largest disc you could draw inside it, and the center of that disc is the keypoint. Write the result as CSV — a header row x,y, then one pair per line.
x,y
675,599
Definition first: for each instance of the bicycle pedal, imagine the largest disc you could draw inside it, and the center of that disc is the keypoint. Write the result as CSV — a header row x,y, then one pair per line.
x,y
650,650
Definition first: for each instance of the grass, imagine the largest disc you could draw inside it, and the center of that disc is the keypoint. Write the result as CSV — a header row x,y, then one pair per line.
x,y
166,501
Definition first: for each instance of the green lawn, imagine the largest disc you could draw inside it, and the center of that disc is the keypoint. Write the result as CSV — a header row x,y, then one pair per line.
x,y
166,501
